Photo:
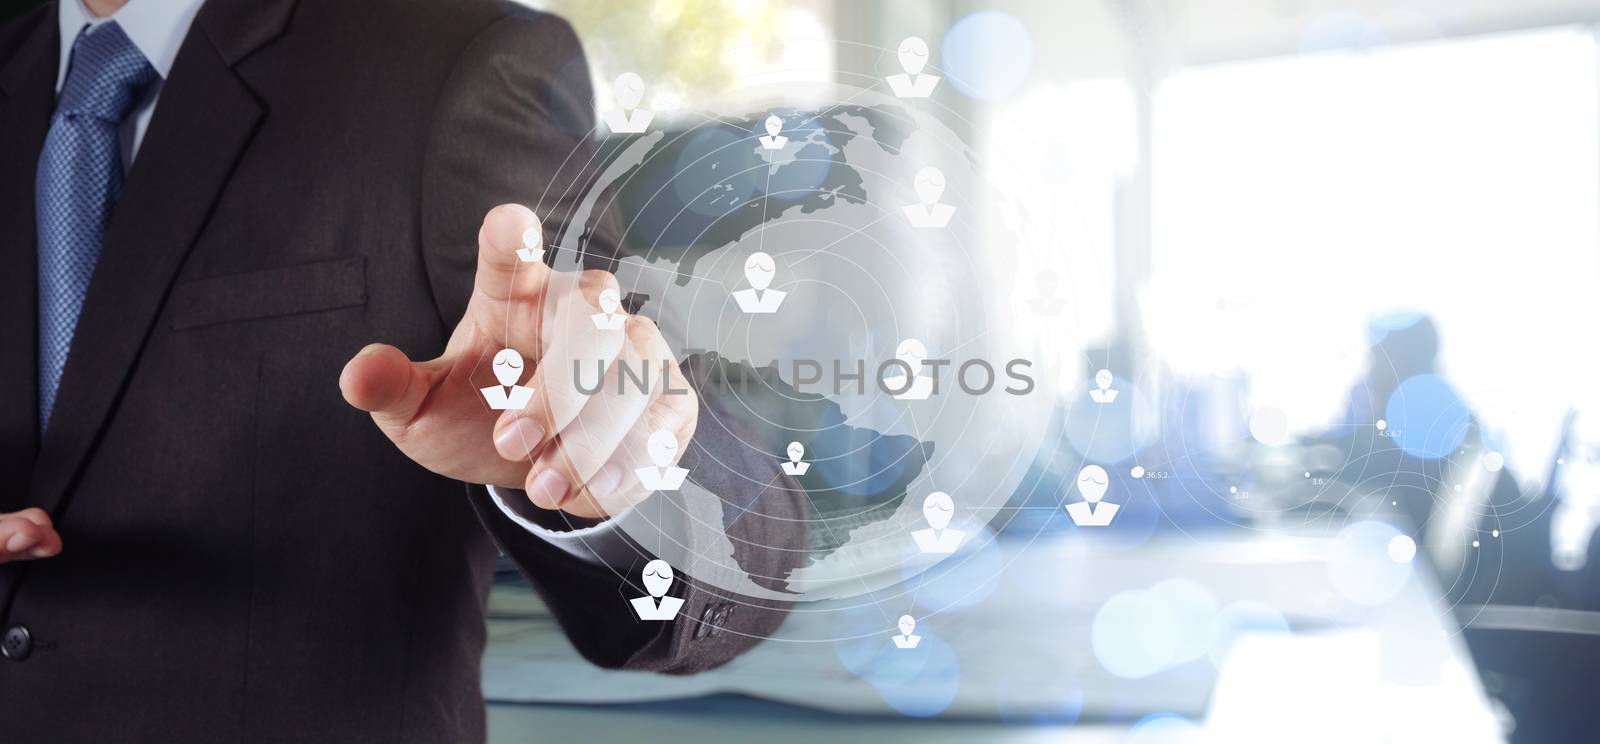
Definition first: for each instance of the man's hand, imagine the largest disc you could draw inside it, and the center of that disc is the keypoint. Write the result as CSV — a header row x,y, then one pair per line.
x,y
27,534
569,450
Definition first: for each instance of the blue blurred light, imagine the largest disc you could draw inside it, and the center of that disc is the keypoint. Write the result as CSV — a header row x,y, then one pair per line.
x,y
919,681
859,634
987,55
1426,417
959,580
1134,635
1165,728
1193,610
716,173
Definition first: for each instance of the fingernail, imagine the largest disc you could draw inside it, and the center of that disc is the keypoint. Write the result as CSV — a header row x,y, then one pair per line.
x,y
549,490
19,542
605,481
518,439
40,552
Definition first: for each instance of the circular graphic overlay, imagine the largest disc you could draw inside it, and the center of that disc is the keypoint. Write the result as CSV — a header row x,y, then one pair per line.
x,y
833,303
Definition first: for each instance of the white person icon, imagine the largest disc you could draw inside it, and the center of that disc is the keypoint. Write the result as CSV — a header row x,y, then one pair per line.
x,y
772,140
1091,511
657,580
906,639
911,354
938,509
627,117
928,212
608,319
1103,392
1046,302
913,54
759,270
532,245
795,466
664,476
508,395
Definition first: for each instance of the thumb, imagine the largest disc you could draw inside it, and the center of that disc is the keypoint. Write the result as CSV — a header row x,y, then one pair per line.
x,y
382,381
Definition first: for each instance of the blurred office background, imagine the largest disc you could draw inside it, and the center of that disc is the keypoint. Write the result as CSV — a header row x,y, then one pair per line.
x,y
1346,254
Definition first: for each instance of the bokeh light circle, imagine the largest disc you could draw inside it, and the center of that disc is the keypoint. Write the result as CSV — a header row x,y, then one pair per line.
x,y
1165,728
1402,548
1193,610
1269,425
1426,417
1362,568
987,55
1493,461
919,681
1134,635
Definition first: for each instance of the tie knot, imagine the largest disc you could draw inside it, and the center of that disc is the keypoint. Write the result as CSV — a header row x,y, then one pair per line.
x,y
106,74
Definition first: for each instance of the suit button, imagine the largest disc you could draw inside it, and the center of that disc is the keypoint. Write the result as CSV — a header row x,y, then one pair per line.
x,y
704,626
718,621
17,644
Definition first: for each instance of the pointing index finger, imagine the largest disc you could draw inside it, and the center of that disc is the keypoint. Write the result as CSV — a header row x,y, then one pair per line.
x,y
510,255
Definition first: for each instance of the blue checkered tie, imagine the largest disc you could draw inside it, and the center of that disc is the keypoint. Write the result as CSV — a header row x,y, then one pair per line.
x,y
79,179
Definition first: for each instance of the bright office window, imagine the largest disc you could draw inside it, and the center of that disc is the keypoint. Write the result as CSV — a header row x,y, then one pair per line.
x,y
1295,198
689,51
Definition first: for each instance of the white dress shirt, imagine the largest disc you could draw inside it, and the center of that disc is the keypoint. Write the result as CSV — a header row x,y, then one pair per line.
x,y
157,28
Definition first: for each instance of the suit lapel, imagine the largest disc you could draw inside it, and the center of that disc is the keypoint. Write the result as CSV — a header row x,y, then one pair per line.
x,y
27,96
203,123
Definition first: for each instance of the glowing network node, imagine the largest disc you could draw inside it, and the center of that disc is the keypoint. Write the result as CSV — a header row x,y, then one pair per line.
x,y
532,246
794,465
508,395
1103,392
938,509
663,475
627,117
912,83
608,319
917,386
1091,511
772,140
929,212
657,577
907,639
759,270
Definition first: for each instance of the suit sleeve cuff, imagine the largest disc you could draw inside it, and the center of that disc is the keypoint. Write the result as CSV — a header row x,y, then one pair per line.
x,y
597,541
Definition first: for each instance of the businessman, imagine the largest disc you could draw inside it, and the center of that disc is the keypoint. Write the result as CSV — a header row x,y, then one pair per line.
x,y
252,276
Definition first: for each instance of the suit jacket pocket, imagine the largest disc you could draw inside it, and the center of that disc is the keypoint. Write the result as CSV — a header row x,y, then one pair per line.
x,y
269,293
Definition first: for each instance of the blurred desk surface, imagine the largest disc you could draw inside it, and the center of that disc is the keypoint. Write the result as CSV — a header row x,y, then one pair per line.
x,y
1397,668
513,723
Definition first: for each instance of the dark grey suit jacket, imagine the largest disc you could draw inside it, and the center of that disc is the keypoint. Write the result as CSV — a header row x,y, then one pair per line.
x,y
246,557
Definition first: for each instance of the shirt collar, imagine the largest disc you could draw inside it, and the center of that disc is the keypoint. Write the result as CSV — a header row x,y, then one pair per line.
x,y
156,27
